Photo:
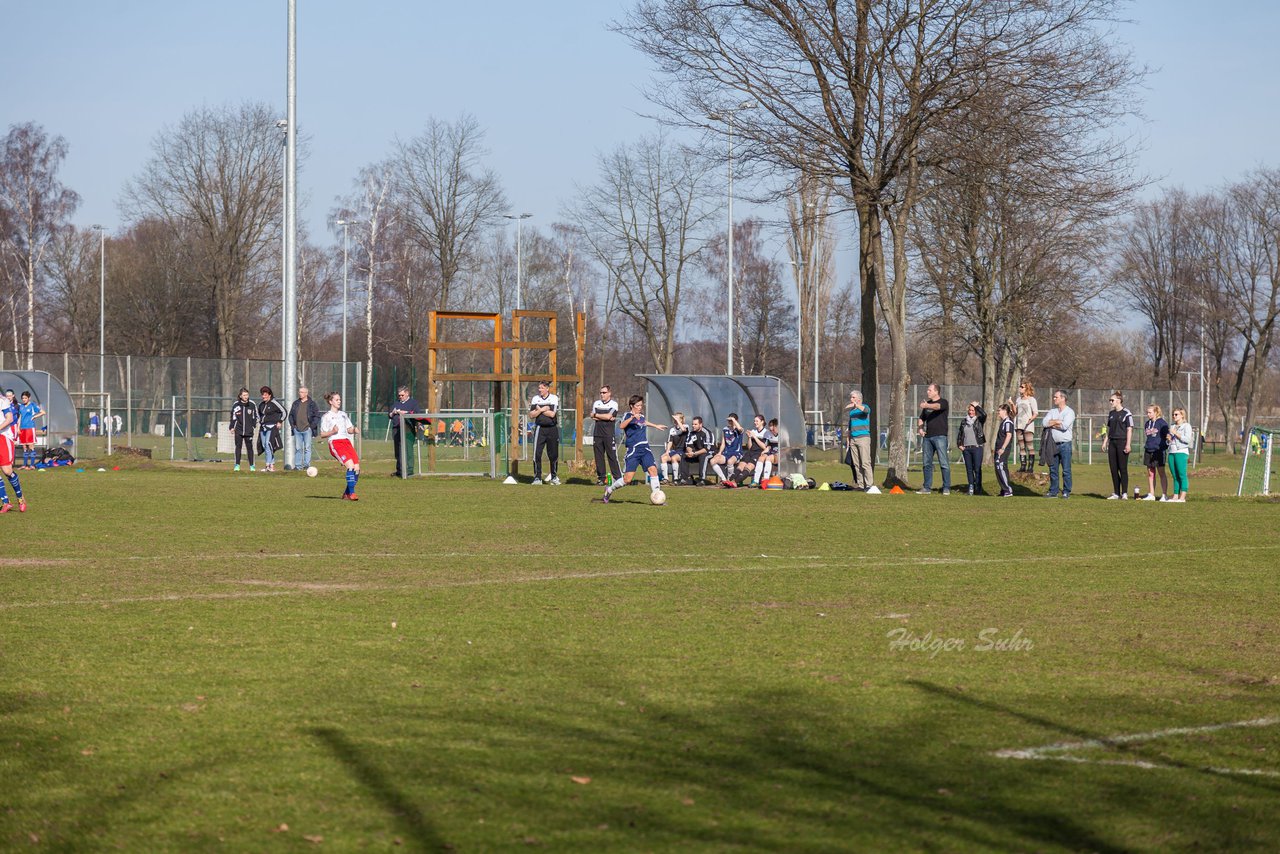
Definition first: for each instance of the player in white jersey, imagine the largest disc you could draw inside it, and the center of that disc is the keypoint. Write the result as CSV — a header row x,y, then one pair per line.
x,y
768,461
336,426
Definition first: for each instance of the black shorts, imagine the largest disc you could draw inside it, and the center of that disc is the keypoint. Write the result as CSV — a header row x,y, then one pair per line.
x,y
1153,458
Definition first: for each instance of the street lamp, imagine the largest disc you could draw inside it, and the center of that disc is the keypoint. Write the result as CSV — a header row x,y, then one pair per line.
x,y
102,321
519,292
799,265
345,223
817,308
727,116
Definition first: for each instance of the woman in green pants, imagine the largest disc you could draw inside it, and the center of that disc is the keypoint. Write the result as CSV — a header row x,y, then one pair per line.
x,y
1180,439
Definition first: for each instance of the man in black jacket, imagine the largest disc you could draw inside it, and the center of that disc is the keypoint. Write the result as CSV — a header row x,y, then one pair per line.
x,y
404,405
304,419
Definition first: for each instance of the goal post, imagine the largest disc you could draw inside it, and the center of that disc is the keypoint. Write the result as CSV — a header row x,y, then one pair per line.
x,y
1255,469
462,441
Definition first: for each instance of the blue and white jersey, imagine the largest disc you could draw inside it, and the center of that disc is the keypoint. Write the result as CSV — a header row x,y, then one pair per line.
x,y
636,432
27,413
11,410
732,442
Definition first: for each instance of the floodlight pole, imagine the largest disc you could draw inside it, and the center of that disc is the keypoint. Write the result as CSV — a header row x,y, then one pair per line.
x,y
799,265
291,229
519,218
102,327
345,223
728,115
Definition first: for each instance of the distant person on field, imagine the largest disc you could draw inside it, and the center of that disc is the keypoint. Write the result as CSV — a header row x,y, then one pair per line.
x,y
1005,441
8,450
28,412
244,424
604,434
1059,423
544,408
336,426
1118,442
931,425
304,420
1180,439
859,457
271,418
404,405
1156,430
971,437
93,423
1024,422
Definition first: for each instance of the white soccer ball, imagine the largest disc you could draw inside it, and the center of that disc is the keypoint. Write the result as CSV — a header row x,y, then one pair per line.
x,y
658,497
312,471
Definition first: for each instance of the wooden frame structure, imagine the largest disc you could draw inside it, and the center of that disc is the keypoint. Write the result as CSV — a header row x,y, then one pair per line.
x,y
501,374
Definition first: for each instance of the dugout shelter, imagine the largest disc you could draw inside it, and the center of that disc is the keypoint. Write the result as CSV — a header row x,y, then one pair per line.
x,y
60,413
714,397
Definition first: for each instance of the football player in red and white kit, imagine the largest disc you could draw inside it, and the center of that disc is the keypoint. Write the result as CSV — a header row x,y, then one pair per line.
x,y
336,426
8,444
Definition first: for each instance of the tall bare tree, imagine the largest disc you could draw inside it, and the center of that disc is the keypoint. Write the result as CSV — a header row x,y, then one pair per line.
x,y
646,221
764,321
214,180
848,90
812,250
34,208
72,266
446,197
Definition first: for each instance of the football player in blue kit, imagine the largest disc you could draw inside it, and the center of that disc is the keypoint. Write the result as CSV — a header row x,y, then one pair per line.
x,y
634,428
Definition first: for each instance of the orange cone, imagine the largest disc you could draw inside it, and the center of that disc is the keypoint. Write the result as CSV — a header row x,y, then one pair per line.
x,y
897,490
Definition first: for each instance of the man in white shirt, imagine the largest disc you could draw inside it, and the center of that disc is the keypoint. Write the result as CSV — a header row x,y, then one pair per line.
x,y
543,408
1058,423
604,438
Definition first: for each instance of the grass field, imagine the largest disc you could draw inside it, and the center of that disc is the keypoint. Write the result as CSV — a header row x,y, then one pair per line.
x,y
191,659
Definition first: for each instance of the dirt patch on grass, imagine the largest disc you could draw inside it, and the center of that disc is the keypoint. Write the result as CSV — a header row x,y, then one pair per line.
x,y
301,585
1211,471
33,561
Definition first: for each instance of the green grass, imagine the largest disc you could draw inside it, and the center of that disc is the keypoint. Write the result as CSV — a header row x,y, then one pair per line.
x,y
190,659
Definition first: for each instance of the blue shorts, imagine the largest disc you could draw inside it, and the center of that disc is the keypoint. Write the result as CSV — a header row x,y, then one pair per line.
x,y
676,454
639,457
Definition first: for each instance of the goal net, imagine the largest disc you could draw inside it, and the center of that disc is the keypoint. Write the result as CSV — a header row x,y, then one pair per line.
x,y
1255,471
457,442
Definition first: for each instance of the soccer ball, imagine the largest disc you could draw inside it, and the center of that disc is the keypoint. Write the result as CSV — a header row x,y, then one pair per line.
x,y
312,471
658,497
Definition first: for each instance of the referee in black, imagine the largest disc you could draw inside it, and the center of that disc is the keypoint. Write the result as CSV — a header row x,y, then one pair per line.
x,y
604,435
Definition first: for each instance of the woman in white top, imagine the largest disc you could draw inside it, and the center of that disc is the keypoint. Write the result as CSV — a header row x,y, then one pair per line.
x,y
1180,439
336,426
1024,424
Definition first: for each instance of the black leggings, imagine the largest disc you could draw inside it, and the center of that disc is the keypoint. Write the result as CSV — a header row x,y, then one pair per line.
x,y
248,446
1119,461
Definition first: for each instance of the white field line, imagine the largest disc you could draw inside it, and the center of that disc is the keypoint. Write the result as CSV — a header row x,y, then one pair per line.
x,y
1060,751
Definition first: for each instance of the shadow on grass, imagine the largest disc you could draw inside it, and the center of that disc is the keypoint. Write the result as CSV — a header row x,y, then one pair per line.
x,y
380,786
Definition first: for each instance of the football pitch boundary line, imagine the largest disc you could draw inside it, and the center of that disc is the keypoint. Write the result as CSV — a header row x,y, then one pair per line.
x,y
1060,751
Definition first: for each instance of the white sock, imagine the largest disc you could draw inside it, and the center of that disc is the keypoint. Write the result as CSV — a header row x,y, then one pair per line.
x,y
666,471
719,473
653,483
768,468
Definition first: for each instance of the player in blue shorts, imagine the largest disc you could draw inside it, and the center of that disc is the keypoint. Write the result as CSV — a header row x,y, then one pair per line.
x,y
730,450
634,428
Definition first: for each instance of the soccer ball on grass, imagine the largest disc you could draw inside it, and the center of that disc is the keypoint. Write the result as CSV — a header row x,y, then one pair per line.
x,y
658,497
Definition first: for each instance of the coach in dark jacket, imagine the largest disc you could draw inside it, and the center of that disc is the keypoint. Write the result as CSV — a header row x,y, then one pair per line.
x,y
304,419
404,405
271,417
244,423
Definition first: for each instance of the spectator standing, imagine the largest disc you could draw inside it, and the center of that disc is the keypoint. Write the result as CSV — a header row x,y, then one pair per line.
x,y
1180,438
271,418
1156,430
304,420
1024,422
1004,443
543,409
604,434
404,405
932,427
970,437
1058,423
1118,442
244,423
858,416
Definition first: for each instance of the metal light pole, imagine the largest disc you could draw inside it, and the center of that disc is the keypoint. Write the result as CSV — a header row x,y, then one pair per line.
x,y
345,223
519,287
816,324
291,227
728,115
799,265
102,325
283,125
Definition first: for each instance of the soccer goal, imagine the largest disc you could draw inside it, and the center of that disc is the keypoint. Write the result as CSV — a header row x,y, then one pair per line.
x,y
1255,471
455,442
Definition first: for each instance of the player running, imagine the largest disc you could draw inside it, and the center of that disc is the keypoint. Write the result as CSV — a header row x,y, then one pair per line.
x,y
8,443
634,428
336,426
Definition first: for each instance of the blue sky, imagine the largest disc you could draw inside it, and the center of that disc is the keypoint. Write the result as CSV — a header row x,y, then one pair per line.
x,y
549,83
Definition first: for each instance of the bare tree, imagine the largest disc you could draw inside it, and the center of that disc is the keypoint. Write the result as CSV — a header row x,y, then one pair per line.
x,y
446,198
646,222
848,92
812,251
72,266
764,321
214,180
34,208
